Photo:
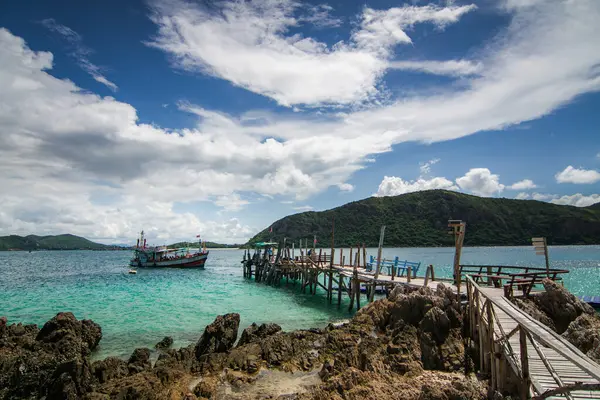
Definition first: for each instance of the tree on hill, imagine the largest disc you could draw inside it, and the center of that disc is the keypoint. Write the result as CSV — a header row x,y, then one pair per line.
x,y
420,219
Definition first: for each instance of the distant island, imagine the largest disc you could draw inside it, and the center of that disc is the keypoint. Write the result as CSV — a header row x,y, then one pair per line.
x,y
209,245
52,242
72,242
420,219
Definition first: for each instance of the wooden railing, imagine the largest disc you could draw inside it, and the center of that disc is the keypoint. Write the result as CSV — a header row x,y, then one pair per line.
x,y
496,350
511,277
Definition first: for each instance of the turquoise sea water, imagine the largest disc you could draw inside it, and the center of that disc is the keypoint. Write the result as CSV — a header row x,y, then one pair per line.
x,y
138,310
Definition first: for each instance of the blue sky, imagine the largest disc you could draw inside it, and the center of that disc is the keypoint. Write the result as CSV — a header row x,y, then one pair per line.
x,y
218,118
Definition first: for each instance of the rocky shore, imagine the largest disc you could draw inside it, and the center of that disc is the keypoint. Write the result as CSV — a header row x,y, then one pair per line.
x,y
408,346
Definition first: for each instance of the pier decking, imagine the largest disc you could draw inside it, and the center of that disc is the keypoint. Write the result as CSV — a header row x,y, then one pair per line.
x,y
545,363
510,341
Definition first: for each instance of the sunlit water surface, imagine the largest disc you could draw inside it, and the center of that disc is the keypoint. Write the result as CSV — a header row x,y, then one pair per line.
x,y
138,310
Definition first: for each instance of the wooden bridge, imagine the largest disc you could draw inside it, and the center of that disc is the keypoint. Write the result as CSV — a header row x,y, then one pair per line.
x,y
515,348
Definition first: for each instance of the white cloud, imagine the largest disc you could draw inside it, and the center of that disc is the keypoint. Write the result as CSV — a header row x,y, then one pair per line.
x,y
480,181
248,44
449,68
523,185
83,163
425,167
575,175
232,202
577,200
346,187
393,185
382,29
523,196
79,51
303,208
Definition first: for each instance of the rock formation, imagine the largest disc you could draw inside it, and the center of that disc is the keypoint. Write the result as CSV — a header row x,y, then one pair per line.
x,y
560,310
408,346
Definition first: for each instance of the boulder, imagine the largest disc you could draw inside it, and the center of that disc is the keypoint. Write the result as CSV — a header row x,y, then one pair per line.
x,y
530,307
436,322
109,368
64,330
165,343
255,333
139,361
220,336
584,333
50,362
560,305
412,308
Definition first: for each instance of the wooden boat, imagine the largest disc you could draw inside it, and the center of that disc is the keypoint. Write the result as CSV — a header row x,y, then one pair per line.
x,y
163,257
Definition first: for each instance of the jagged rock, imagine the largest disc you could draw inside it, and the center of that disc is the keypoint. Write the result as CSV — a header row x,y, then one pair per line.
x,y
584,333
530,307
139,361
207,387
220,336
3,328
255,333
245,358
560,305
109,368
411,308
165,343
64,329
436,322
50,362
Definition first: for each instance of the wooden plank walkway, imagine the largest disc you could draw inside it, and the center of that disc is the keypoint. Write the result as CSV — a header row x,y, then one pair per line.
x,y
549,360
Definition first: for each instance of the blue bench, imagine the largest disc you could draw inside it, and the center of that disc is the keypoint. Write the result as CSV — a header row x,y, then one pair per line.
x,y
401,267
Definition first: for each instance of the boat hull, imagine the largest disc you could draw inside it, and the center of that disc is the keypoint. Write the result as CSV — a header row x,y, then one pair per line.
x,y
196,261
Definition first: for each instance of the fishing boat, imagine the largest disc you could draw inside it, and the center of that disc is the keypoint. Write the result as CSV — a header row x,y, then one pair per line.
x,y
163,257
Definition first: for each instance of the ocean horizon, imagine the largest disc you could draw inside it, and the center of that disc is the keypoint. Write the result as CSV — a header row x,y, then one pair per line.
x,y
139,310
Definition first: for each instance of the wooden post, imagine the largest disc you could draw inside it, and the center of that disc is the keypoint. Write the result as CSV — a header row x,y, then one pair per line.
x,y
427,281
432,274
379,249
459,228
524,364
364,248
357,289
351,289
408,274
489,274
490,318
350,260
481,330
340,284
357,260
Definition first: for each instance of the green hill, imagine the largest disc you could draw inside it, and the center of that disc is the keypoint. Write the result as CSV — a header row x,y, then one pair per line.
x,y
58,242
210,245
421,219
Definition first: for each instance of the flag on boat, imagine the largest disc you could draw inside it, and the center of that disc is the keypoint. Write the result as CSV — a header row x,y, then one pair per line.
x,y
197,235
271,230
315,241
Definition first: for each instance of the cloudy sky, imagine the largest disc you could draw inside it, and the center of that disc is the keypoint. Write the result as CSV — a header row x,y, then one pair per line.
x,y
218,117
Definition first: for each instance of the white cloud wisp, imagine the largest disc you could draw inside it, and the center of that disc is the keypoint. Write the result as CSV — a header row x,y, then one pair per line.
x,y
78,162
247,44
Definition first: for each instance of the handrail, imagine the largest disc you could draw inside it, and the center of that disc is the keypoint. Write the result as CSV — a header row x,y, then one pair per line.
x,y
534,332
583,361
463,266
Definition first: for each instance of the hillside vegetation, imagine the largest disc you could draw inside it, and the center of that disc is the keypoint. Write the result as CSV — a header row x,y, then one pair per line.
x,y
209,245
57,242
421,219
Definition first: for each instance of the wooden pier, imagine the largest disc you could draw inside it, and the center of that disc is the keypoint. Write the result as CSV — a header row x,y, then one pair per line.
x,y
514,345
517,353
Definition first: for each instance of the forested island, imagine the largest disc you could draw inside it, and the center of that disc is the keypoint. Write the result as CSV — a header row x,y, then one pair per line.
x,y
420,219
52,242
